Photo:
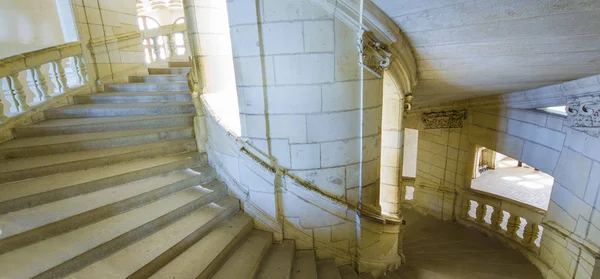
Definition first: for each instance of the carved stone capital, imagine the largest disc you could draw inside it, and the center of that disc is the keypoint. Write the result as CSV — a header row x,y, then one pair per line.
x,y
444,119
584,114
375,56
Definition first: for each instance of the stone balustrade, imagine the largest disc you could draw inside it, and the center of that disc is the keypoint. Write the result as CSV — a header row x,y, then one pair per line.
x,y
510,220
166,41
24,77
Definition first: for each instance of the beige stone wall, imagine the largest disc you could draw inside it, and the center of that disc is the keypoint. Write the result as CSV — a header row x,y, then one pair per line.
x,y
30,25
571,235
109,28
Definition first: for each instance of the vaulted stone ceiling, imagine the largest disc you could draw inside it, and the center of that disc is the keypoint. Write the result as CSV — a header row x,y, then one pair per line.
x,y
467,48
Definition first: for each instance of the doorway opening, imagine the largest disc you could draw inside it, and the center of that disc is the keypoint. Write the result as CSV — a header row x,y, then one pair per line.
x,y
500,175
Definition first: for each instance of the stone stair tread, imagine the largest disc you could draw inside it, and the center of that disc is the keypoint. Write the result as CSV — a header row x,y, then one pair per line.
x,y
48,160
204,258
46,189
347,272
246,259
278,262
120,109
39,257
435,269
487,270
131,259
69,138
122,105
133,93
27,219
305,266
24,188
96,120
326,269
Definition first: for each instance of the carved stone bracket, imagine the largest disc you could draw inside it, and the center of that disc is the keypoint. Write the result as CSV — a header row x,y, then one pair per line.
x,y
445,119
375,56
584,114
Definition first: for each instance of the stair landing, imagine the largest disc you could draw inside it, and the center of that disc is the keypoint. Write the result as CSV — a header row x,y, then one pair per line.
x,y
446,250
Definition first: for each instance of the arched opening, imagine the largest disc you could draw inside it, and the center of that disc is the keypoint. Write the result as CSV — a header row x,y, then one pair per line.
x,y
145,23
180,20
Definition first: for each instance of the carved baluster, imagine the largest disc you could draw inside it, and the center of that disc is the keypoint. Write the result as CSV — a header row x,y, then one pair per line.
x,y
480,212
531,233
497,218
14,93
513,225
40,88
58,76
172,44
156,48
80,70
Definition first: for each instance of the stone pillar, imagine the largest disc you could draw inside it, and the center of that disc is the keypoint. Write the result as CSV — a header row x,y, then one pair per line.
x,y
392,149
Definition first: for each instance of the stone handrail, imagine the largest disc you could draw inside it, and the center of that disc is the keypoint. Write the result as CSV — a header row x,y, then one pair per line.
x,y
17,98
264,160
520,223
163,38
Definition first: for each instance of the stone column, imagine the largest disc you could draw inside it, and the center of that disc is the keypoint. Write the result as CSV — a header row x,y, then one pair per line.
x,y
392,149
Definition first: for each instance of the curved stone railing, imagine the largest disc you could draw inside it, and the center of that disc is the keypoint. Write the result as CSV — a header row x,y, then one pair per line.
x,y
24,77
517,223
163,42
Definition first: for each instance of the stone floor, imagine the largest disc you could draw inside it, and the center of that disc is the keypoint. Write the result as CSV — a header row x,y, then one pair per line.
x,y
523,184
446,250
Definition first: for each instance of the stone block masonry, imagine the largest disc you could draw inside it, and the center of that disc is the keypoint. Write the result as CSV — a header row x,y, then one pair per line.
x,y
110,29
296,86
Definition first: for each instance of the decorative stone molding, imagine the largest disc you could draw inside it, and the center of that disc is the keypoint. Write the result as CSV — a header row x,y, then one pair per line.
x,y
444,119
584,114
375,56
403,65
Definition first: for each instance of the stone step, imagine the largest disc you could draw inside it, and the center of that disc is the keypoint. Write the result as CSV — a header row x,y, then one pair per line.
x,y
205,257
27,226
24,168
246,259
278,262
148,87
158,78
104,124
169,71
305,266
326,269
134,97
46,189
58,256
39,146
506,256
347,272
479,269
146,256
179,64
127,109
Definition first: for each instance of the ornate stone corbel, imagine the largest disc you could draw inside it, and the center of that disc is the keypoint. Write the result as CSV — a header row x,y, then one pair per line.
x,y
584,114
444,119
375,56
